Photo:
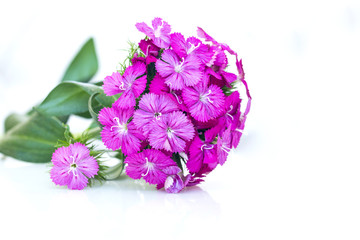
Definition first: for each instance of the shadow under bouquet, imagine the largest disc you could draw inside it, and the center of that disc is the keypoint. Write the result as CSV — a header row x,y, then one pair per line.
x,y
170,114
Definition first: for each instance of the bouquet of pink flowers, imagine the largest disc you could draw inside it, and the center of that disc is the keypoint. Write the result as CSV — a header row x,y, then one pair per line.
x,y
175,113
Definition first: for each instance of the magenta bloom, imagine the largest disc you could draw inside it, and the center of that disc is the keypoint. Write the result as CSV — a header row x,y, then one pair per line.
x,y
224,146
176,183
73,165
158,85
117,132
203,152
179,74
192,46
152,107
131,85
170,133
232,110
151,165
159,33
204,102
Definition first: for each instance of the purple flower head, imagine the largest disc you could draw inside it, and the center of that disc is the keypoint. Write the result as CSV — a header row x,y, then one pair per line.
x,y
148,48
152,107
73,165
232,110
204,102
240,69
171,132
179,74
202,34
203,152
192,46
131,85
151,165
224,146
117,132
176,183
158,85
238,131
159,33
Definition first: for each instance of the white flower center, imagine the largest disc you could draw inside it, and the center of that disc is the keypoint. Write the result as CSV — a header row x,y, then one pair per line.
x,y
205,146
178,68
157,32
192,48
148,165
169,132
72,166
122,127
158,115
205,97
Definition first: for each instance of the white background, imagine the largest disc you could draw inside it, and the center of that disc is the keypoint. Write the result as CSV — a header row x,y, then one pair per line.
x,y
295,175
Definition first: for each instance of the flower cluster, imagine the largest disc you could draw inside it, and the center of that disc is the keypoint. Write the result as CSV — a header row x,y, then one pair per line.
x,y
177,109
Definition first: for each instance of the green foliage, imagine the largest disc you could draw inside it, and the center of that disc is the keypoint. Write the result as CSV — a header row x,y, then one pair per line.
x,y
14,119
33,140
72,98
227,91
32,137
85,64
133,48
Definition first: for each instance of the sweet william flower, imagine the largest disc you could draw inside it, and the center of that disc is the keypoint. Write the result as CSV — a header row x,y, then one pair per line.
x,y
224,146
191,46
73,165
151,165
152,107
176,183
158,86
179,73
204,102
131,84
159,33
117,133
171,133
203,152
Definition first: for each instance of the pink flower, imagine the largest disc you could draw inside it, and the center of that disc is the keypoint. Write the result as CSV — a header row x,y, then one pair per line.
x,y
224,146
237,131
158,86
159,33
73,165
176,183
202,34
150,50
152,107
232,110
203,152
179,74
192,46
171,133
204,103
131,85
151,165
117,132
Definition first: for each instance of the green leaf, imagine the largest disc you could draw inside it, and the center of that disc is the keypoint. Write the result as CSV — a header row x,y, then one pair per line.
x,y
13,119
72,98
85,64
33,140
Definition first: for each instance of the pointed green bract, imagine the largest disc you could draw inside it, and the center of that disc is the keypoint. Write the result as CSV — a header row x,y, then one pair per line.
x,y
33,140
84,66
